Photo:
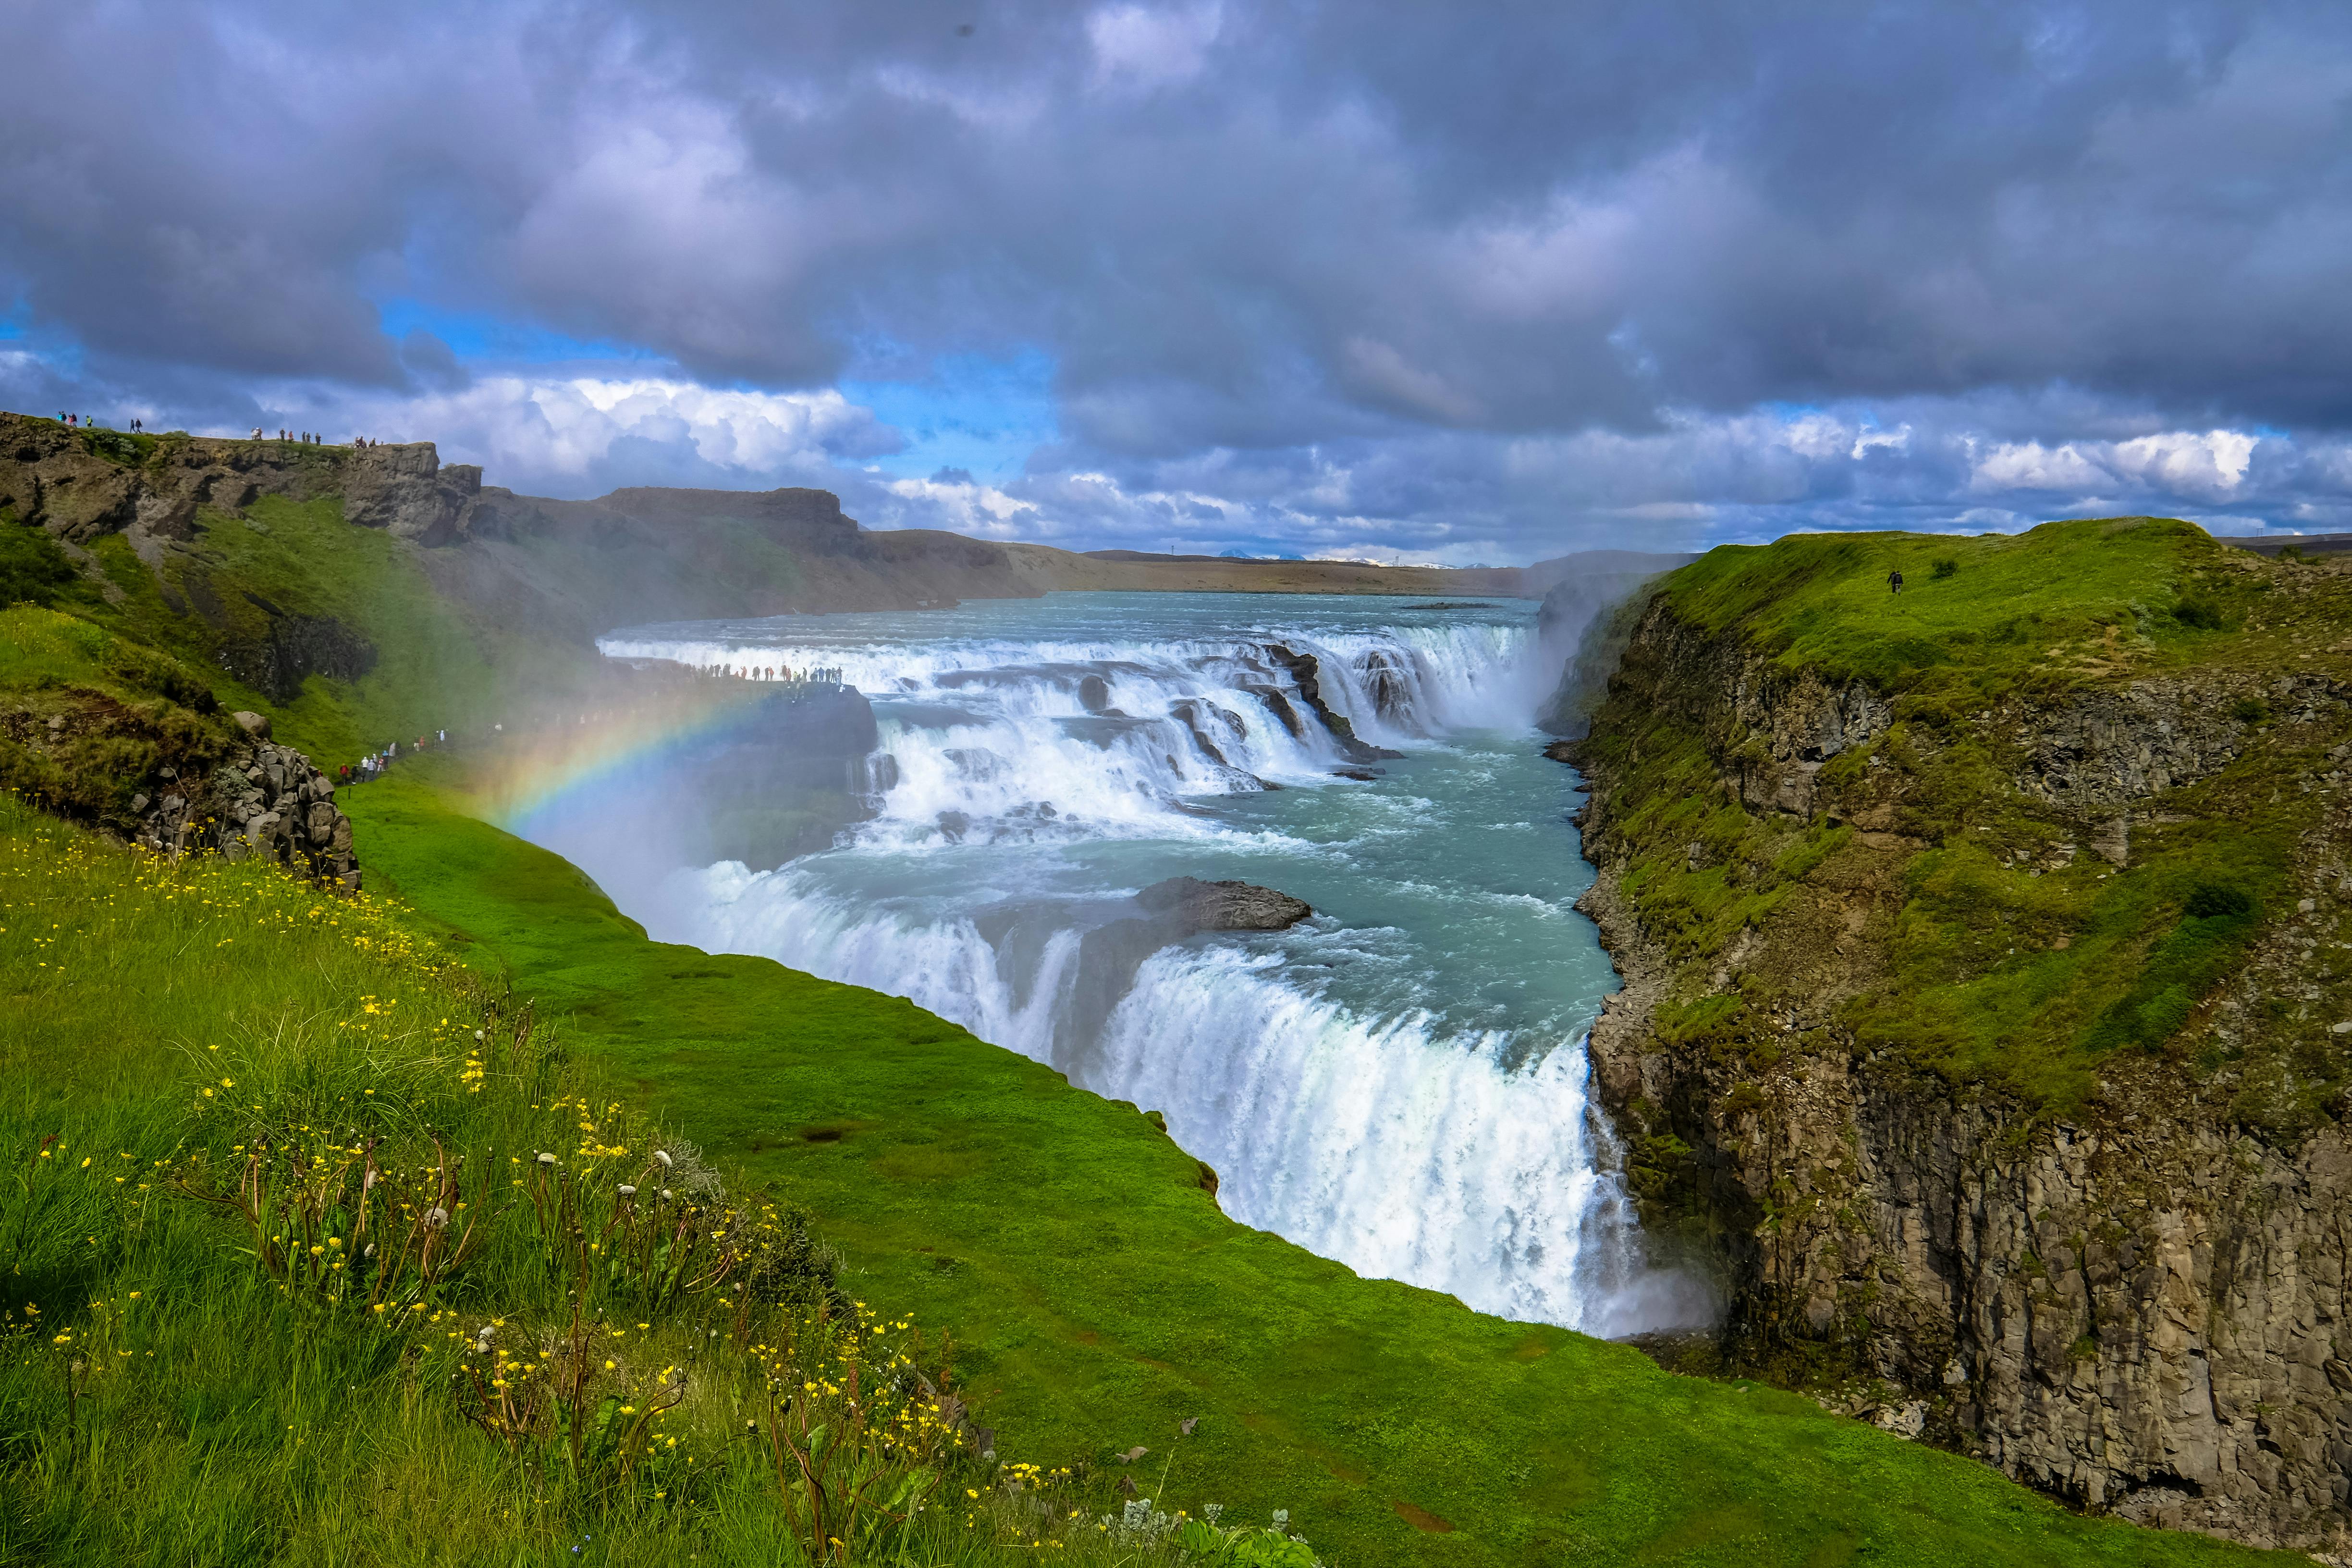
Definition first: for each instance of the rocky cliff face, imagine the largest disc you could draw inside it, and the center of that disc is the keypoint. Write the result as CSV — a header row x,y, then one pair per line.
x,y
80,485
407,492
2134,1297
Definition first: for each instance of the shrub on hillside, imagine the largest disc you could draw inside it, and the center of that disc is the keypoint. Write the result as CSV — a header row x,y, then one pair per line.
x,y
33,568
2200,613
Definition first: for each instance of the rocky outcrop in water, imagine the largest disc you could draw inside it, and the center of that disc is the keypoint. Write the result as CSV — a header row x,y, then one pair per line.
x,y
2140,1299
1213,727
1306,675
1197,906
1116,938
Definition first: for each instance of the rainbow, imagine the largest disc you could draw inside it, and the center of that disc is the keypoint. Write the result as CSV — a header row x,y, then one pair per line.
x,y
534,767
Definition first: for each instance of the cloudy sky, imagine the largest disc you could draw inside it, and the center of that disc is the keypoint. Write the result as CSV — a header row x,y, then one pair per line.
x,y
1425,281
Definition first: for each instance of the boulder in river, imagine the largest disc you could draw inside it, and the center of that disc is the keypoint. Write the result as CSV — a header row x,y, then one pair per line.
x,y
1223,906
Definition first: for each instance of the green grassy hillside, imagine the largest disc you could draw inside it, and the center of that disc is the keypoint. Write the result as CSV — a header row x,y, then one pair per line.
x,y
313,1250
1094,1296
1978,617
175,632
2007,951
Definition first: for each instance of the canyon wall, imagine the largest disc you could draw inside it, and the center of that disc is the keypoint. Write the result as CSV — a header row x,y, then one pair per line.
x,y
2116,1271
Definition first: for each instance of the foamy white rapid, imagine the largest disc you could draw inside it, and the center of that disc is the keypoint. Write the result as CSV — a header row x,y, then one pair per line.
x,y
1399,1083
1077,738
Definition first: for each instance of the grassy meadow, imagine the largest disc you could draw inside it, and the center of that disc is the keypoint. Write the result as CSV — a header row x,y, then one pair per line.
x,y
314,1248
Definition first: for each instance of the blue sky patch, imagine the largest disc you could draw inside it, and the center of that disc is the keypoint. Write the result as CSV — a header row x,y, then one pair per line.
x,y
477,338
979,415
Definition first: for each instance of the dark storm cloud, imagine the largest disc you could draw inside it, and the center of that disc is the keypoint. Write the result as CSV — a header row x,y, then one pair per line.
x,y
1544,215
1462,278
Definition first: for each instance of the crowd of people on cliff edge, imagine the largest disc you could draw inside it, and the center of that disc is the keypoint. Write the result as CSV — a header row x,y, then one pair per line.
x,y
824,675
312,439
374,765
138,426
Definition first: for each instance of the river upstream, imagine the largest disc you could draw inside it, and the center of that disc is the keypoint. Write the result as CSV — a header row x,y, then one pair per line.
x,y
1399,1082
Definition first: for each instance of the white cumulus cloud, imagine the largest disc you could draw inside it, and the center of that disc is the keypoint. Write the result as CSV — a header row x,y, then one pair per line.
x,y
2207,466
572,436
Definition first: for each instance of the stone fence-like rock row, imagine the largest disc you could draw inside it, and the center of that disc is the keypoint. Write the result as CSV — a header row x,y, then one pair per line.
x,y
268,804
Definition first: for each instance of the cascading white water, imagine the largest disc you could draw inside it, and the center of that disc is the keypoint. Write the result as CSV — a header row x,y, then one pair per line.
x,y
1398,1083
1000,737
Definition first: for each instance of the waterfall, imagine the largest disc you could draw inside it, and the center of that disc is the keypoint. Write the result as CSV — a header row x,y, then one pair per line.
x,y
1399,1085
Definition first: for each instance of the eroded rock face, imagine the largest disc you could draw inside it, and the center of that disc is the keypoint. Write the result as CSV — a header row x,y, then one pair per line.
x,y
294,648
80,485
2141,1306
266,804
2108,748
1789,724
405,492
2149,1316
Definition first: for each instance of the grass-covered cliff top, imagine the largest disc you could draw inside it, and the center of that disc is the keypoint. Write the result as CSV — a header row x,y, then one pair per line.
x,y
2100,798
2061,603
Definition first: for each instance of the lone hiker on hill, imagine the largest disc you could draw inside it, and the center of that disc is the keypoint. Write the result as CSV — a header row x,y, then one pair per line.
x,y
1894,580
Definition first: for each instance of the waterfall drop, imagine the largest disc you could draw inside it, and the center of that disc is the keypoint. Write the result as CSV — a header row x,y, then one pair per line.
x,y
1399,1082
